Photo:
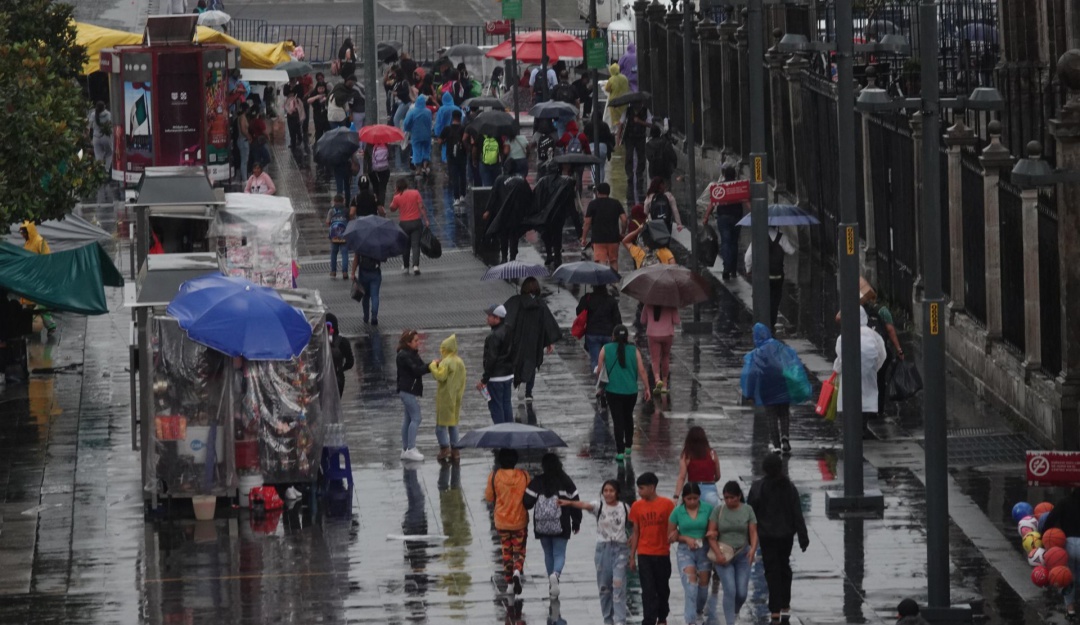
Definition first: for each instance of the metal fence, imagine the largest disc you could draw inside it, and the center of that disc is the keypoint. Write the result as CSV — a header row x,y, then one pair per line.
x,y
816,160
1049,285
1012,265
971,183
1032,94
892,163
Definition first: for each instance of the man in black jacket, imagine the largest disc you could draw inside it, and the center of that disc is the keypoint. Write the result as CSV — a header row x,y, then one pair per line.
x,y
340,350
498,376
661,156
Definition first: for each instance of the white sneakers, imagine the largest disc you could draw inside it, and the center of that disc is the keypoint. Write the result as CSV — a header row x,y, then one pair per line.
x,y
412,455
553,585
416,270
517,582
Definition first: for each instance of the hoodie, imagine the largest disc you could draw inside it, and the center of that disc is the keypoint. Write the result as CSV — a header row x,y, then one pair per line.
x,y
873,354
772,373
572,133
450,374
340,350
628,65
35,243
446,113
418,120
616,86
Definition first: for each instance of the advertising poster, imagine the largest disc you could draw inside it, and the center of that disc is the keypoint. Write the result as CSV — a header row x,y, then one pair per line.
x,y
217,115
138,147
179,110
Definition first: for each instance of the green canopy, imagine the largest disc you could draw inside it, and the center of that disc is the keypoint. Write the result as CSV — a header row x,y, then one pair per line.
x,y
72,280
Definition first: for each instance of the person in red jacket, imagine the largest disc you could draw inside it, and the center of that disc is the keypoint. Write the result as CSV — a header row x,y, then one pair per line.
x,y
573,141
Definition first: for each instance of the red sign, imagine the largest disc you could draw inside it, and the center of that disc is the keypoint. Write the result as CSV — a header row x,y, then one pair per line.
x,y
497,27
180,111
1053,468
729,192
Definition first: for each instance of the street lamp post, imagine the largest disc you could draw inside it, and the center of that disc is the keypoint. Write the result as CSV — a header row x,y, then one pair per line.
x,y
759,202
371,64
697,326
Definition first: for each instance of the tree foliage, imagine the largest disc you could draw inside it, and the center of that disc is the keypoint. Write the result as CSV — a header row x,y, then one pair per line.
x,y
46,160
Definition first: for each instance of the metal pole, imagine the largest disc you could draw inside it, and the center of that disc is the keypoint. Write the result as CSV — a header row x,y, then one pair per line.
x,y
691,164
543,49
594,75
759,204
848,237
937,494
371,82
514,70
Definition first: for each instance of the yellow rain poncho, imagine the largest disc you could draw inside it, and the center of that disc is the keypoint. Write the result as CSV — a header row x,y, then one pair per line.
x,y
616,86
36,243
450,374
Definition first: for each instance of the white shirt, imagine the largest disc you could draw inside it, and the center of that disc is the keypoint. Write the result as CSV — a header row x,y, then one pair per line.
x,y
873,355
610,522
785,245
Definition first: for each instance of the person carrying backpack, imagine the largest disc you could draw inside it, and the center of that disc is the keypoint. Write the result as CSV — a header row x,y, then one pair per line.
x,y
649,254
774,377
660,204
779,246
573,141
490,160
612,548
337,218
553,523
378,158
505,490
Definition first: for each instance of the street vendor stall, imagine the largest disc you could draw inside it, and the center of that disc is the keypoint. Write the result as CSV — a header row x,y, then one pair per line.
x,y
255,238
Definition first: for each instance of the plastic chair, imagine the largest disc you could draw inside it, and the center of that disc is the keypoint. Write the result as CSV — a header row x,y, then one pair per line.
x,y
336,465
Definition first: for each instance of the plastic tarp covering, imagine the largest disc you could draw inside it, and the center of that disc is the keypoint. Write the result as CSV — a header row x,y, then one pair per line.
x,y
252,54
72,280
772,373
194,400
67,234
256,238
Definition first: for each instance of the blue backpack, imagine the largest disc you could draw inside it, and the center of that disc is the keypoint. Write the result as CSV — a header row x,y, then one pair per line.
x,y
339,220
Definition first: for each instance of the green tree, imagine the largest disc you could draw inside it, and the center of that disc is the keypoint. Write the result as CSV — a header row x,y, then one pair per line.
x,y
46,159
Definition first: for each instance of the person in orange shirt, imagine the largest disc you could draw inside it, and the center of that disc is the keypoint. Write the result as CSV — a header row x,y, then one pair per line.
x,y
650,551
506,491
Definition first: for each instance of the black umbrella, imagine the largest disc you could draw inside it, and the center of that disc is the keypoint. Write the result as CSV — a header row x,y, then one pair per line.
x,y
295,69
387,51
336,146
554,110
577,159
495,124
464,49
376,237
630,98
512,436
484,102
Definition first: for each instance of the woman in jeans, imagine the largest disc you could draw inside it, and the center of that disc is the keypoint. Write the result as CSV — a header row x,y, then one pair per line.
x,y
413,219
542,497
624,368
699,464
612,549
410,386
687,526
734,524
660,322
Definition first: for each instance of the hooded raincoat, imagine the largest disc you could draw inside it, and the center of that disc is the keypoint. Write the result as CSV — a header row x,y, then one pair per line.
x,y
873,354
772,372
628,65
36,243
419,125
532,328
450,374
616,86
445,116
510,203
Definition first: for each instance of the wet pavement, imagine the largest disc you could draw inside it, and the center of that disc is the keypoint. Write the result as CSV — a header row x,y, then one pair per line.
x,y
419,546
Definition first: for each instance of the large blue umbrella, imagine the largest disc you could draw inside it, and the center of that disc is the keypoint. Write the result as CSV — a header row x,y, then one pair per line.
x,y
376,237
785,215
512,436
586,272
240,318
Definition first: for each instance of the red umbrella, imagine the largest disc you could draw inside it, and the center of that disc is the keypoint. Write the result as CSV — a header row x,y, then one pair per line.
x,y
377,134
529,49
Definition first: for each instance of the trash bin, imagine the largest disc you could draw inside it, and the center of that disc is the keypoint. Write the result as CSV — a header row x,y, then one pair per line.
x,y
485,248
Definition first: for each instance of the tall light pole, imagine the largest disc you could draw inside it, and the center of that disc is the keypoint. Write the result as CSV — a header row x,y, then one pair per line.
x,y
371,65
759,201
697,326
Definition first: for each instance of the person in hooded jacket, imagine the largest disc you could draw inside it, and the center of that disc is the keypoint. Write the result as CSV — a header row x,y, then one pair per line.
x,y
552,523
907,613
616,86
872,349
498,374
573,141
449,371
603,316
445,117
628,65
34,242
556,200
533,330
419,126
764,381
775,500
510,202
340,350
410,387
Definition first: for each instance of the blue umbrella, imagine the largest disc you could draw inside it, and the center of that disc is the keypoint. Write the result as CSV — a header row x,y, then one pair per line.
x,y
240,318
785,215
515,269
376,237
586,272
512,436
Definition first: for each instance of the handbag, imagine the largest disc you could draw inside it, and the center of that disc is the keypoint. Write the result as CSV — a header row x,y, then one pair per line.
x,y
905,381
830,414
358,291
429,243
828,390
577,329
727,550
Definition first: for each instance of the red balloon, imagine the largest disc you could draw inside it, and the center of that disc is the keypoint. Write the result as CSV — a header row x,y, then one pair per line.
x,y
1040,576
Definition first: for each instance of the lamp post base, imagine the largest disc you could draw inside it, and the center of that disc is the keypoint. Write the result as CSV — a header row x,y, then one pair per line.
x,y
870,504
952,615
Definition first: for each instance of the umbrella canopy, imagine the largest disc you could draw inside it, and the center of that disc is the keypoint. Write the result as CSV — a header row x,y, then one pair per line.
x,y
495,124
515,269
512,436
630,98
484,102
381,134
666,285
387,51
214,18
376,237
529,48
464,49
336,146
785,215
577,159
554,110
240,318
295,69
586,272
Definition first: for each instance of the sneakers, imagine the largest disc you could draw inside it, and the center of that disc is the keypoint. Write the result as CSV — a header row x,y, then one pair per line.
x,y
628,452
528,399
444,453
619,458
405,271
517,582
659,388
775,449
292,494
412,455
785,444
553,585
416,270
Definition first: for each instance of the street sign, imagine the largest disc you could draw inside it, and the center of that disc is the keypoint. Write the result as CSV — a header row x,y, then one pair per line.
x,y
511,9
497,27
596,54
1053,468
729,192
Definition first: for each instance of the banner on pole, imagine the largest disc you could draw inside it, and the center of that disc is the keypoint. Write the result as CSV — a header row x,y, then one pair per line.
x,y
511,9
729,192
596,54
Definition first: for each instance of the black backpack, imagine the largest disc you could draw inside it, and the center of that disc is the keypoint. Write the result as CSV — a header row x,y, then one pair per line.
x,y
660,208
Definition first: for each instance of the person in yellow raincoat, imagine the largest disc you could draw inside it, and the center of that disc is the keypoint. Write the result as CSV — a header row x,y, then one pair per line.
x,y
36,243
449,372
616,86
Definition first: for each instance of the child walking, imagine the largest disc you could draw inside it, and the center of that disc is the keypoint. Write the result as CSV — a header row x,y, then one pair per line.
x,y
506,491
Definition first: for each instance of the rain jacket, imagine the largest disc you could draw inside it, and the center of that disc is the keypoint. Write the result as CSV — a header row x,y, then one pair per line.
x,y
36,243
340,350
506,489
450,374
532,328
628,65
616,86
572,133
498,353
554,199
418,120
510,203
446,113
772,372
873,354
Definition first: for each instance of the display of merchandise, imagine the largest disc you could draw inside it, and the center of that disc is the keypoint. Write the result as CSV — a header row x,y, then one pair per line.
x,y
255,238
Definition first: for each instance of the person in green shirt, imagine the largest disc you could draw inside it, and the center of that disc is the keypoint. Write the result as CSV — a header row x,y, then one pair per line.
x,y
687,526
734,524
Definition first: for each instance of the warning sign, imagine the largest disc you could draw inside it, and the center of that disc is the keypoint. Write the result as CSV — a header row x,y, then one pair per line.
x,y
729,192
1053,468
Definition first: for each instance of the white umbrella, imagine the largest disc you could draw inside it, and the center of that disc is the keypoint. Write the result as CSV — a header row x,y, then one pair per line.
x,y
214,18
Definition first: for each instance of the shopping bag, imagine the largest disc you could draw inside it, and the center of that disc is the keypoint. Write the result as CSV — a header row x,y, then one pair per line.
x,y
830,414
577,329
798,385
267,496
828,391
335,67
708,246
905,381
358,291
429,244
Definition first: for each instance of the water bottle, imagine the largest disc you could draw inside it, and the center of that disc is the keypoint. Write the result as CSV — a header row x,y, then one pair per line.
x,y
486,393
